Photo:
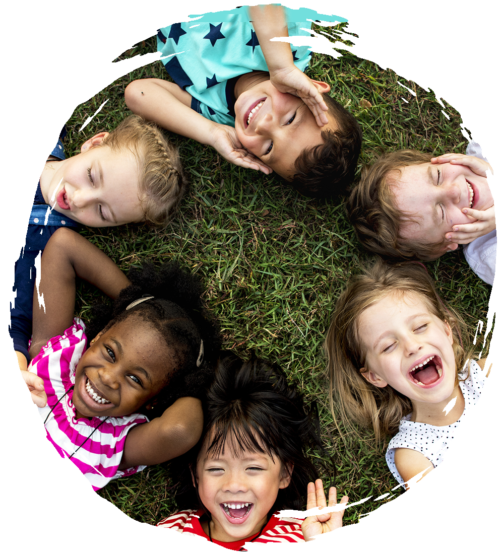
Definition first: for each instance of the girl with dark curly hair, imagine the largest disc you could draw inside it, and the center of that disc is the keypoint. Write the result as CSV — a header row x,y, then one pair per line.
x,y
124,393
251,462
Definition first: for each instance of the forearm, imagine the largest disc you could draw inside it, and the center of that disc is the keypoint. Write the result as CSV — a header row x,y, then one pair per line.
x,y
269,22
67,256
169,106
166,437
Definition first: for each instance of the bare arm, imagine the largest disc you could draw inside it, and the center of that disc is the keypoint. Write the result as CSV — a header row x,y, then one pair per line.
x,y
164,438
169,106
67,256
410,463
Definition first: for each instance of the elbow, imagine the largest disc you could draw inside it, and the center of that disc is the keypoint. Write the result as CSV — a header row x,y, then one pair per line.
x,y
133,95
184,436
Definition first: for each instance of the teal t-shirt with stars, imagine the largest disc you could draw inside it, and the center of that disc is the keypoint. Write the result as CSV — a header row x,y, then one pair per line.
x,y
207,55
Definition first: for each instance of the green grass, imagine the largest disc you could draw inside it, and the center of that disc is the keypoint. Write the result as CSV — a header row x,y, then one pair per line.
x,y
274,262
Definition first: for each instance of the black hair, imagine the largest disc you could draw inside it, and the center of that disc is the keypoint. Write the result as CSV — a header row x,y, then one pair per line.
x,y
252,404
177,313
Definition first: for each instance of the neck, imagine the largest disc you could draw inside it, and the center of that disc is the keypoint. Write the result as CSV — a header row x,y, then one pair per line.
x,y
249,80
434,413
45,179
215,532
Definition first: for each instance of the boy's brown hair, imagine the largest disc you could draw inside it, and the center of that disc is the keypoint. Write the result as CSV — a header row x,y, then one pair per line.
x,y
352,397
327,170
162,180
374,215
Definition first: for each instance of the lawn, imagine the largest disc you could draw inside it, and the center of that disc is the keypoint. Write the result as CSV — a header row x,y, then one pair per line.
x,y
274,262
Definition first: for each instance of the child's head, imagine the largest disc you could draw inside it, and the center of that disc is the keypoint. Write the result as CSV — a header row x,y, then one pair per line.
x,y
144,355
404,205
280,129
392,343
251,459
131,174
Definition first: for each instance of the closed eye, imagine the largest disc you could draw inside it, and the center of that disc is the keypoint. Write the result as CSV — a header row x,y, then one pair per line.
x,y
255,468
101,213
421,328
268,149
389,348
214,470
292,118
90,176
438,175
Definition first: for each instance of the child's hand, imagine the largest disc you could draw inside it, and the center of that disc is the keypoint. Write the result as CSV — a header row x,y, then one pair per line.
x,y
484,222
36,387
320,524
293,81
477,165
226,143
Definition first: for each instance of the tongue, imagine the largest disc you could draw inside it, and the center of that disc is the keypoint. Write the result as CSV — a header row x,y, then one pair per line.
x,y
238,513
427,375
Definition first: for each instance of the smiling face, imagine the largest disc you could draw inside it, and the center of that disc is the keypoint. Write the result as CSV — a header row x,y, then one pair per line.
x,y
435,194
276,127
127,365
238,489
98,187
408,348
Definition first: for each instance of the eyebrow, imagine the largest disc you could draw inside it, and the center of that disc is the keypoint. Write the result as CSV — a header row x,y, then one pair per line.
x,y
100,171
295,125
137,368
410,319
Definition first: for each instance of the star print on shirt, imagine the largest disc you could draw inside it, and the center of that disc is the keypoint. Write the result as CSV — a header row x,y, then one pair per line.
x,y
211,82
294,57
176,32
214,34
253,42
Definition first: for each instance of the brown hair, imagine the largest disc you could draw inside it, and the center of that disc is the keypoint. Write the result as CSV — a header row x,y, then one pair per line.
x,y
351,395
327,170
376,219
162,180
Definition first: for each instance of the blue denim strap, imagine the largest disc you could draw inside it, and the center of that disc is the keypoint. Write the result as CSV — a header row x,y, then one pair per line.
x,y
42,214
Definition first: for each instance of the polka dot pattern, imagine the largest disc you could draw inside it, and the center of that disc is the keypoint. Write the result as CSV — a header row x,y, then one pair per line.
x,y
433,441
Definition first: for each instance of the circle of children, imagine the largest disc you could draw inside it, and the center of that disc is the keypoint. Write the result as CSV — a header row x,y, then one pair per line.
x,y
145,380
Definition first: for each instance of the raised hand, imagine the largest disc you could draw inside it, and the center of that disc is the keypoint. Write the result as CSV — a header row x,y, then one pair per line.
x,y
226,143
484,222
36,387
293,81
327,522
477,165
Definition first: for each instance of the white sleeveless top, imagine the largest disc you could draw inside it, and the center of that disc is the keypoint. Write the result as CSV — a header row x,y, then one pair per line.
x,y
433,441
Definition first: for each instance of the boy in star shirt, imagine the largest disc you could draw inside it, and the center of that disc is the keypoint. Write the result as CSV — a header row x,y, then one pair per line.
x,y
247,96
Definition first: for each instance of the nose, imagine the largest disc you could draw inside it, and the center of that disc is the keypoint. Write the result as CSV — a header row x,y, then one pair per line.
x,y
453,193
108,377
411,345
83,198
264,125
235,483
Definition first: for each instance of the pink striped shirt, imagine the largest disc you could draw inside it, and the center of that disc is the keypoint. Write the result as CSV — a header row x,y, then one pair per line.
x,y
277,530
100,448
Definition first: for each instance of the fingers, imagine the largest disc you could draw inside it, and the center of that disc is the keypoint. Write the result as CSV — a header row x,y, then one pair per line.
x,y
481,215
320,494
310,497
477,165
39,398
32,381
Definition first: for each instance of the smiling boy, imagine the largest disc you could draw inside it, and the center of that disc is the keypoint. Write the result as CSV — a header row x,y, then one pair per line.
x,y
247,96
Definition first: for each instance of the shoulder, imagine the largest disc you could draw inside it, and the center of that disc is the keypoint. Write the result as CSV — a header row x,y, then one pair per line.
x,y
179,520
282,530
416,470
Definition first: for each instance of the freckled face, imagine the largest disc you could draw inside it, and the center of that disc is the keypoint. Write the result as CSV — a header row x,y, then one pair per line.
x,y
408,348
435,194
98,187
238,490
276,127
127,365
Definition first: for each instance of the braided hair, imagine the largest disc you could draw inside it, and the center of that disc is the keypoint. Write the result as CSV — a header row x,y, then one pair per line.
x,y
177,313
252,405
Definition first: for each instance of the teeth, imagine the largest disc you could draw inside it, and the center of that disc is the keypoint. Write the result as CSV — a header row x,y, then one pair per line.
x,y
419,383
423,363
471,194
253,112
236,505
438,370
94,395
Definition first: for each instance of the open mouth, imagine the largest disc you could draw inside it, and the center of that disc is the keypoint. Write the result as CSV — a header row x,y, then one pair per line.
x,y
473,194
62,200
251,112
428,372
236,513
94,395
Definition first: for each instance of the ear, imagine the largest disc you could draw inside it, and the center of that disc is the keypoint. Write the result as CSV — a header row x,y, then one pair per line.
x,y
373,378
449,332
96,337
286,475
152,403
322,87
94,141
450,247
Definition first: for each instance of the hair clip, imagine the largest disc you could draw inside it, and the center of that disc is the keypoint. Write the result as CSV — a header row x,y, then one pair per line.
x,y
201,354
140,300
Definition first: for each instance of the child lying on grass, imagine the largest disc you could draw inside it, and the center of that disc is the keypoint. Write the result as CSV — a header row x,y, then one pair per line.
x,y
249,98
125,392
132,174
251,462
410,205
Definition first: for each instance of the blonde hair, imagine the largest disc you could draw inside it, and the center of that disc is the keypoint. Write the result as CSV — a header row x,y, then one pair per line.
x,y
354,399
374,215
162,180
